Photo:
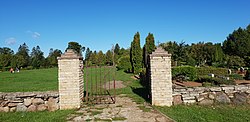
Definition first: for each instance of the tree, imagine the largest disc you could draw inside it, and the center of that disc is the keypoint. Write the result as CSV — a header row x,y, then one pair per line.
x,y
136,54
87,54
5,56
238,43
149,47
52,58
23,51
100,58
117,48
93,57
76,47
109,58
37,58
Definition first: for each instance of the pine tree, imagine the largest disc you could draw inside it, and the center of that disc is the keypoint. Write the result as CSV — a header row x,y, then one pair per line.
x,y
23,51
136,54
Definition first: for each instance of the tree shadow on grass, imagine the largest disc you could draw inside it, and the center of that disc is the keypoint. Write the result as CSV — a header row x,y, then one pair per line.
x,y
142,92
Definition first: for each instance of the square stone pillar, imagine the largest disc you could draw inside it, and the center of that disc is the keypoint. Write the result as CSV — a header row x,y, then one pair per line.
x,y
70,77
161,78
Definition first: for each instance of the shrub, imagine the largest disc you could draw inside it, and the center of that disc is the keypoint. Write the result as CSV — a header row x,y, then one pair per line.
x,y
214,80
124,64
211,70
187,71
236,77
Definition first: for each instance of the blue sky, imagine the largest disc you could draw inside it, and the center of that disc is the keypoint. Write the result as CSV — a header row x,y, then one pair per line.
x,y
100,23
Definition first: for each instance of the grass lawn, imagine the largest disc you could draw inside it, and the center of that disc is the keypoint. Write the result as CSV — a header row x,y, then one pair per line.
x,y
217,113
46,79
29,80
44,116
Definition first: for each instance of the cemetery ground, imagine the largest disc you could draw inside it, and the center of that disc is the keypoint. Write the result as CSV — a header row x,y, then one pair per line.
x,y
46,80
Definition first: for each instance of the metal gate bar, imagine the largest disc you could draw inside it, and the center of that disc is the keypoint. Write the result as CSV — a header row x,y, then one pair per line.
x,y
96,80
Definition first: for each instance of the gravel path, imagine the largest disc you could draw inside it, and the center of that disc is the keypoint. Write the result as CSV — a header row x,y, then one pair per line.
x,y
124,110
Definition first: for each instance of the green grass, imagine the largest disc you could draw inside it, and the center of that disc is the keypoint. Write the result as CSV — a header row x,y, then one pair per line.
x,y
46,79
29,80
218,113
44,116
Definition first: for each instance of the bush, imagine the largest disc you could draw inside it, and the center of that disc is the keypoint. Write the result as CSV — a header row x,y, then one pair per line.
x,y
236,77
124,64
214,80
187,71
211,70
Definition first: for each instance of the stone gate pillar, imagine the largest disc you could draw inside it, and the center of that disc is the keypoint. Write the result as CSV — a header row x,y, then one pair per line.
x,y
160,78
70,77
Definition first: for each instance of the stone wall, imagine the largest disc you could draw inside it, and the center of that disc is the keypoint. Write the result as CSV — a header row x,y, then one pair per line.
x,y
229,94
160,78
70,77
29,101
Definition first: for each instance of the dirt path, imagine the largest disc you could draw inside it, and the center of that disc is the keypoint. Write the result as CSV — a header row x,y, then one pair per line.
x,y
124,110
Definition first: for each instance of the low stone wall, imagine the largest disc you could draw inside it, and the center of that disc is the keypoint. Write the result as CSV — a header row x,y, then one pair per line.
x,y
29,101
230,94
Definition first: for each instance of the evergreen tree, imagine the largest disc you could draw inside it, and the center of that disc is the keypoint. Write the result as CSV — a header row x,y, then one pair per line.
x,y
37,58
109,58
149,47
76,47
117,48
23,51
87,54
52,58
136,54
100,58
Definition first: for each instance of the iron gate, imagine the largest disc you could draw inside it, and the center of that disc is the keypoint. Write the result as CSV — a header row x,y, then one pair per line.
x,y
99,84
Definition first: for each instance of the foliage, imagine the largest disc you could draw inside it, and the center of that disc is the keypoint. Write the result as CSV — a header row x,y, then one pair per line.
x,y
236,77
52,58
187,71
215,80
235,61
37,58
117,48
217,113
87,54
124,64
23,54
100,58
136,54
211,70
148,48
76,47
109,58
238,43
